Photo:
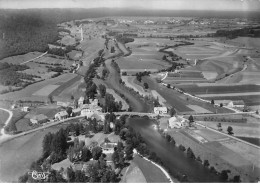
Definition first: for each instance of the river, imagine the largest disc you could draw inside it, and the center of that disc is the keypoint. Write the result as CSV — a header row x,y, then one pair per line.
x,y
172,158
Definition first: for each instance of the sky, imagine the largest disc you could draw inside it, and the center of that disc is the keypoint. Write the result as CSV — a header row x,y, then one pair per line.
x,y
239,5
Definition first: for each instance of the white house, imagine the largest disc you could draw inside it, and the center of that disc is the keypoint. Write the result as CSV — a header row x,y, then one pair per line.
x,y
25,109
176,122
61,115
160,110
81,101
39,119
87,112
231,104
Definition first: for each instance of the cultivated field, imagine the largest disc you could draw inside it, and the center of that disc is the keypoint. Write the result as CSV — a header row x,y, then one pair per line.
x,y
21,58
27,93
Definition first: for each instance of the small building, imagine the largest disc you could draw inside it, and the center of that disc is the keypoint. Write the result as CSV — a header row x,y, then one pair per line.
x,y
87,112
25,109
81,101
160,110
63,104
238,103
176,122
61,115
76,112
13,106
39,119
108,147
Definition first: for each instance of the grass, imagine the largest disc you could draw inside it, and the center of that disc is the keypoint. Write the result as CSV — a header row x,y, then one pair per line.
x,y
26,93
21,58
3,116
151,173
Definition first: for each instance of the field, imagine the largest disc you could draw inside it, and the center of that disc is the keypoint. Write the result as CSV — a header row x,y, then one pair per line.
x,y
181,102
21,58
27,93
218,153
3,117
145,56
25,150
142,171
239,129
130,81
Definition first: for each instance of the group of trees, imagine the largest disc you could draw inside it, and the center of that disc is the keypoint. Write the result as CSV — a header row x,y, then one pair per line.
x,y
115,65
61,51
124,39
9,75
139,75
223,175
244,32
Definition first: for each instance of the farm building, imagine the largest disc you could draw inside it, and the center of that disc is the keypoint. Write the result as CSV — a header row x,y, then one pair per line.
x,y
25,109
81,101
160,110
39,119
231,104
13,106
87,112
238,103
108,147
61,115
76,112
176,122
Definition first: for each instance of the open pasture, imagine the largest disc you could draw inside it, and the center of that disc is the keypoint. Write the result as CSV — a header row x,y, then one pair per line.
x,y
245,42
250,154
239,129
198,109
52,61
18,59
45,91
141,63
26,93
221,89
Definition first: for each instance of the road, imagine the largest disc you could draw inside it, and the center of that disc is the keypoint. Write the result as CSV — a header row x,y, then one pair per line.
x,y
3,134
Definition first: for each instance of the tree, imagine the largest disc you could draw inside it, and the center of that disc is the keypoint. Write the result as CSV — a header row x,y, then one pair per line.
x,y
102,90
206,163
172,112
191,119
168,85
221,104
50,99
257,112
146,86
182,148
69,110
224,175
96,152
219,126
230,130
236,179
86,154
212,102
190,153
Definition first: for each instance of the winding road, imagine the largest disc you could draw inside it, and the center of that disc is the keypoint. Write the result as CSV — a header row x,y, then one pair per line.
x,y
3,134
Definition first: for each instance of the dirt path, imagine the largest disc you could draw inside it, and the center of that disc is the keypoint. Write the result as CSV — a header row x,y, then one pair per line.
x,y
113,82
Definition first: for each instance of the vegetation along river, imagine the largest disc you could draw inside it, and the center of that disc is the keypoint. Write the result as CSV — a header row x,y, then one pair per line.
x,y
173,159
